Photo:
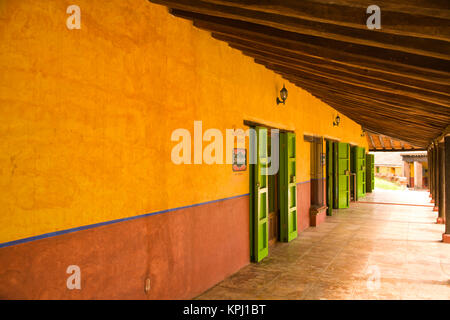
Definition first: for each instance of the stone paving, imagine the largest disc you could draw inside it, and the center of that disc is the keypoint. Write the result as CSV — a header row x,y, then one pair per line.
x,y
369,251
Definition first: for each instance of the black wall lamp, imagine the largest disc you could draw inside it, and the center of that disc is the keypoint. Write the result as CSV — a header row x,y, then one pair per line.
x,y
283,96
336,122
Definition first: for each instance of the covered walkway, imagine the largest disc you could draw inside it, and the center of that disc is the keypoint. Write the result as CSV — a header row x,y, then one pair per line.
x,y
379,248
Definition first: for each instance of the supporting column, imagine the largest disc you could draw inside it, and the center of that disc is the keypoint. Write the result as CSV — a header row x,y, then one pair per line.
x,y
430,171
441,159
407,172
446,235
436,177
418,175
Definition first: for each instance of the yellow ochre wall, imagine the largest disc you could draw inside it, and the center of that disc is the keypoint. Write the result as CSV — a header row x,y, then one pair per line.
x,y
397,171
87,115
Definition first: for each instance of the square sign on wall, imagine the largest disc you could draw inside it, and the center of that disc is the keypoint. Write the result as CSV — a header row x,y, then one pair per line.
x,y
239,159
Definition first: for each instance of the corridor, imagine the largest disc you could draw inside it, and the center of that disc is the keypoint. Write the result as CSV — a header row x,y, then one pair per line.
x,y
388,246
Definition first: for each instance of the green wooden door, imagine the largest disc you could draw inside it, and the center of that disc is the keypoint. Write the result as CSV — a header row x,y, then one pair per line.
x,y
343,175
260,197
288,187
353,182
335,175
372,163
369,173
368,176
329,172
360,170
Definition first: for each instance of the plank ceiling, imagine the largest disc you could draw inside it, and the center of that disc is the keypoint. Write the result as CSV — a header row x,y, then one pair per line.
x,y
394,81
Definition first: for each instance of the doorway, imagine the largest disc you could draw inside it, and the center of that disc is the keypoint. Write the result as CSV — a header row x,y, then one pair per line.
x,y
274,207
316,172
330,173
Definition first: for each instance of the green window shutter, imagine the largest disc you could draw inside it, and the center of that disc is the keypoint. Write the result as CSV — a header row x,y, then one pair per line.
x,y
329,170
343,175
288,187
261,198
354,177
335,175
372,171
361,172
369,174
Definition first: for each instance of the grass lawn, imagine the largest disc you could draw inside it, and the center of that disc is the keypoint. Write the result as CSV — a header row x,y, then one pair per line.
x,y
387,185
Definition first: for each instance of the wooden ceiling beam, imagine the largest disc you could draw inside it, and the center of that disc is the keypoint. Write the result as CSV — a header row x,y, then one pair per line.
x,y
425,110
423,46
376,86
339,84
408,64
350,77
410,132
248,45
404,134
414,129
421,20
368,107
389,126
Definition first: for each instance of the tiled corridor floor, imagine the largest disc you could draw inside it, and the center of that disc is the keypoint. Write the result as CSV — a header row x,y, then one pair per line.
x,y
369,251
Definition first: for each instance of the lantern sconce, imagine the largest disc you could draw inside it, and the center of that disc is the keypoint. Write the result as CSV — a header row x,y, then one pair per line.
x,y
336,121
283,95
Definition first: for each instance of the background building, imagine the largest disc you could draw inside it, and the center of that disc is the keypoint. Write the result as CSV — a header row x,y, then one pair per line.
x,y
415,166
406,168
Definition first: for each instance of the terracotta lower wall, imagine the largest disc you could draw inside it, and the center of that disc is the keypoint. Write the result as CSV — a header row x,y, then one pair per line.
x,y
304,203
183,252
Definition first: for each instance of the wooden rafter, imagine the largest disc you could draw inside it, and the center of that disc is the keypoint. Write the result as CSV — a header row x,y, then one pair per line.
x,y
381,141
371,144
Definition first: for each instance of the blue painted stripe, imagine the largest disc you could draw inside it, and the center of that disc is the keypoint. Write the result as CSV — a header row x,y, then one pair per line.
x,y
95,225
310,180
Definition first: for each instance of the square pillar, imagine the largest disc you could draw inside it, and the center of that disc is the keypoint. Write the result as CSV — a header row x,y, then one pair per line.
x,y
446,187
437,179
430,172
441,196
417,175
